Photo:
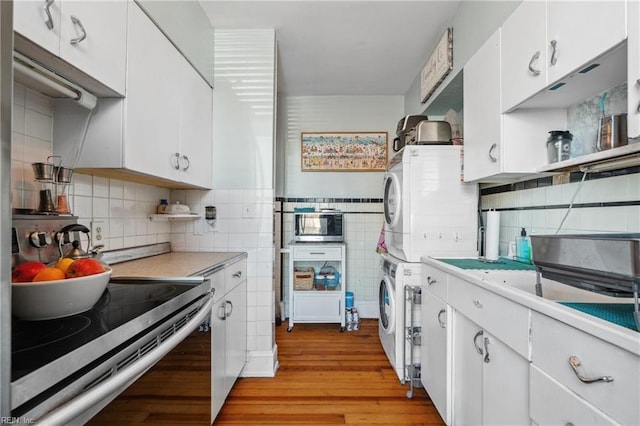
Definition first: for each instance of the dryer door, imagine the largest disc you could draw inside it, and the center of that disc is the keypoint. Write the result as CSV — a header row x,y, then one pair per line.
x,y
392,201
387,304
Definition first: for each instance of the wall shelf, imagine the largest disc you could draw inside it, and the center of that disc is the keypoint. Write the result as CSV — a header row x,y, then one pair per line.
x,y
624,156
172,217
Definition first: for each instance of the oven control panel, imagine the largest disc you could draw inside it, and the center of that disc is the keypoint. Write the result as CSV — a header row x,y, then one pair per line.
x,y
33,237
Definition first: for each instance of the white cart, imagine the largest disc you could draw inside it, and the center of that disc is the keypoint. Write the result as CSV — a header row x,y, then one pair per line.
x,y
314,305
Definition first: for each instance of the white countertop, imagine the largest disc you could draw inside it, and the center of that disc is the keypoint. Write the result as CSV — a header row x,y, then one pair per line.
x,y
493,281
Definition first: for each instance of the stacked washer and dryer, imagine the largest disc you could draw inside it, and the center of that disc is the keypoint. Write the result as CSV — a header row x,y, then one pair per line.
x,y
428,211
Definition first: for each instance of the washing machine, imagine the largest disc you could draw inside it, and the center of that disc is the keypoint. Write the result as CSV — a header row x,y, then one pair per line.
x,y
399,316
428,211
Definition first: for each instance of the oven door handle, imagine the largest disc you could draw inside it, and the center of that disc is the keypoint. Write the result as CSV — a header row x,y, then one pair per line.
x,y
75,407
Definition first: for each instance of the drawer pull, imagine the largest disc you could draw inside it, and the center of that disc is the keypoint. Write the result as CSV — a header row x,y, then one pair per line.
x,y
477,304
431,281
475,342
317,253
237,274
440,321
486,350
574,362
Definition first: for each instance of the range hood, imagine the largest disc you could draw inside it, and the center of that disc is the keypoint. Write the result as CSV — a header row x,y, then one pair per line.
x,y
36,76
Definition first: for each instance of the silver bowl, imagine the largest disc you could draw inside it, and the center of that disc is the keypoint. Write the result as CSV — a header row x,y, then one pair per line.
x,y
43,171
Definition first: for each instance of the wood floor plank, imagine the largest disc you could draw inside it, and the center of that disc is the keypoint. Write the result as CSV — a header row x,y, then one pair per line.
x,y
325,378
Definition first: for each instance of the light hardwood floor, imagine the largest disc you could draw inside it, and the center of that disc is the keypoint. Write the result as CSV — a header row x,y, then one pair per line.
x,y
325,378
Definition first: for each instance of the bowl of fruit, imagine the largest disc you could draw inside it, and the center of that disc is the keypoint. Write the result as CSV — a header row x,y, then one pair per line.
x,y
68,287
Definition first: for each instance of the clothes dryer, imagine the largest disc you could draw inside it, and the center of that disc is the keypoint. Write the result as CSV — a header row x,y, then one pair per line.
x,y
428,211
394,323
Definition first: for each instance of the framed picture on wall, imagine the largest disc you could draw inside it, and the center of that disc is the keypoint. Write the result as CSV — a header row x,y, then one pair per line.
x,y
344,151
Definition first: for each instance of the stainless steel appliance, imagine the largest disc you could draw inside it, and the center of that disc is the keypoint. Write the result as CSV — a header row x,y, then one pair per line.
x,y
327,225
603,263
404,127
429,132
65,370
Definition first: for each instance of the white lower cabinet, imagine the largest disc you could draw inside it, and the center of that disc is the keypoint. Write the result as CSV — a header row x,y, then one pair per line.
x,y
228,332
490,379
435,354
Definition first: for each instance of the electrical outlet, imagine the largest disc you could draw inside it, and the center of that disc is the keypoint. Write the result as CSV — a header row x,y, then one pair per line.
x,y
97,230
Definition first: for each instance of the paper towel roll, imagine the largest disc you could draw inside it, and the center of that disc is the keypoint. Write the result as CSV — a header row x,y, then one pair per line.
x,y
492,235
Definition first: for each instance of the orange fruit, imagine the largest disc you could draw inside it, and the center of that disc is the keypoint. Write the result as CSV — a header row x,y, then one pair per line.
x,y
49,274
63,264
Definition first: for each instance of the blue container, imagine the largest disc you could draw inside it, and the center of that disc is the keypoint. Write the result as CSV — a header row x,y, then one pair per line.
x,y
348,300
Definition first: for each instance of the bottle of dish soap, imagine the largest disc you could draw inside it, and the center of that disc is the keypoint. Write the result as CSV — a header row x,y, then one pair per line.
x,y
523,247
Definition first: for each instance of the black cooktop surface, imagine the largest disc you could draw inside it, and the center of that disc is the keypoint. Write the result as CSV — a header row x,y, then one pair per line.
x,y
37,343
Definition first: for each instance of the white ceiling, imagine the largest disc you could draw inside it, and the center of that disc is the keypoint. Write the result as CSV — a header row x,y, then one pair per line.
x,y
337,47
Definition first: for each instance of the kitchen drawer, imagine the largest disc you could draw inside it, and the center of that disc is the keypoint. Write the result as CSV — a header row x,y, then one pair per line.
x,y
554,342
435,281
553,404
506,320
317,306
235,274
315,252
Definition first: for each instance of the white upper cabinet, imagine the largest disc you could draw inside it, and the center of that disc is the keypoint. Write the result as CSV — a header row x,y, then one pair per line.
x,y
91,36
544,42
633,70
581,31
498,146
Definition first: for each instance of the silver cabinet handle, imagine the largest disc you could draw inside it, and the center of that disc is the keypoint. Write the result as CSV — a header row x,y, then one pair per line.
x,y
477,304
533,60
574,362
177,159
49,21
237,275
440,321
431,281
228,308
554,51
222,312
78,24
184,157
491,156
486,350
475,341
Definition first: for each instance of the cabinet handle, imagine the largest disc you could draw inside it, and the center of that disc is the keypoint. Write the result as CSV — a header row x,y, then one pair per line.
x,y
317,253
78,24
554,51
49,21
475,341
237,275
184,157
574,362
477,304
533,60
177,159
440,321
431,281
486,350
222,312
228,308
491,156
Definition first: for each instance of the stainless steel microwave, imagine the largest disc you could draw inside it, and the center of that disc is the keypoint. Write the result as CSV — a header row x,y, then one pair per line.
x,y
319,226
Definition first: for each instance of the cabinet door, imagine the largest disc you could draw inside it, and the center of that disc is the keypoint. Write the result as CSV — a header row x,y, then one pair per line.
x,y
633,70
218,350
482,118
467,372
434,356
29,19
153,99
524,54
102,54
505,384
236,334
195,128
582,31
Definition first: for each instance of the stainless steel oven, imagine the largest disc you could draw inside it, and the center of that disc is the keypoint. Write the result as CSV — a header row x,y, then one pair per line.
x,y
319,226
65,370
